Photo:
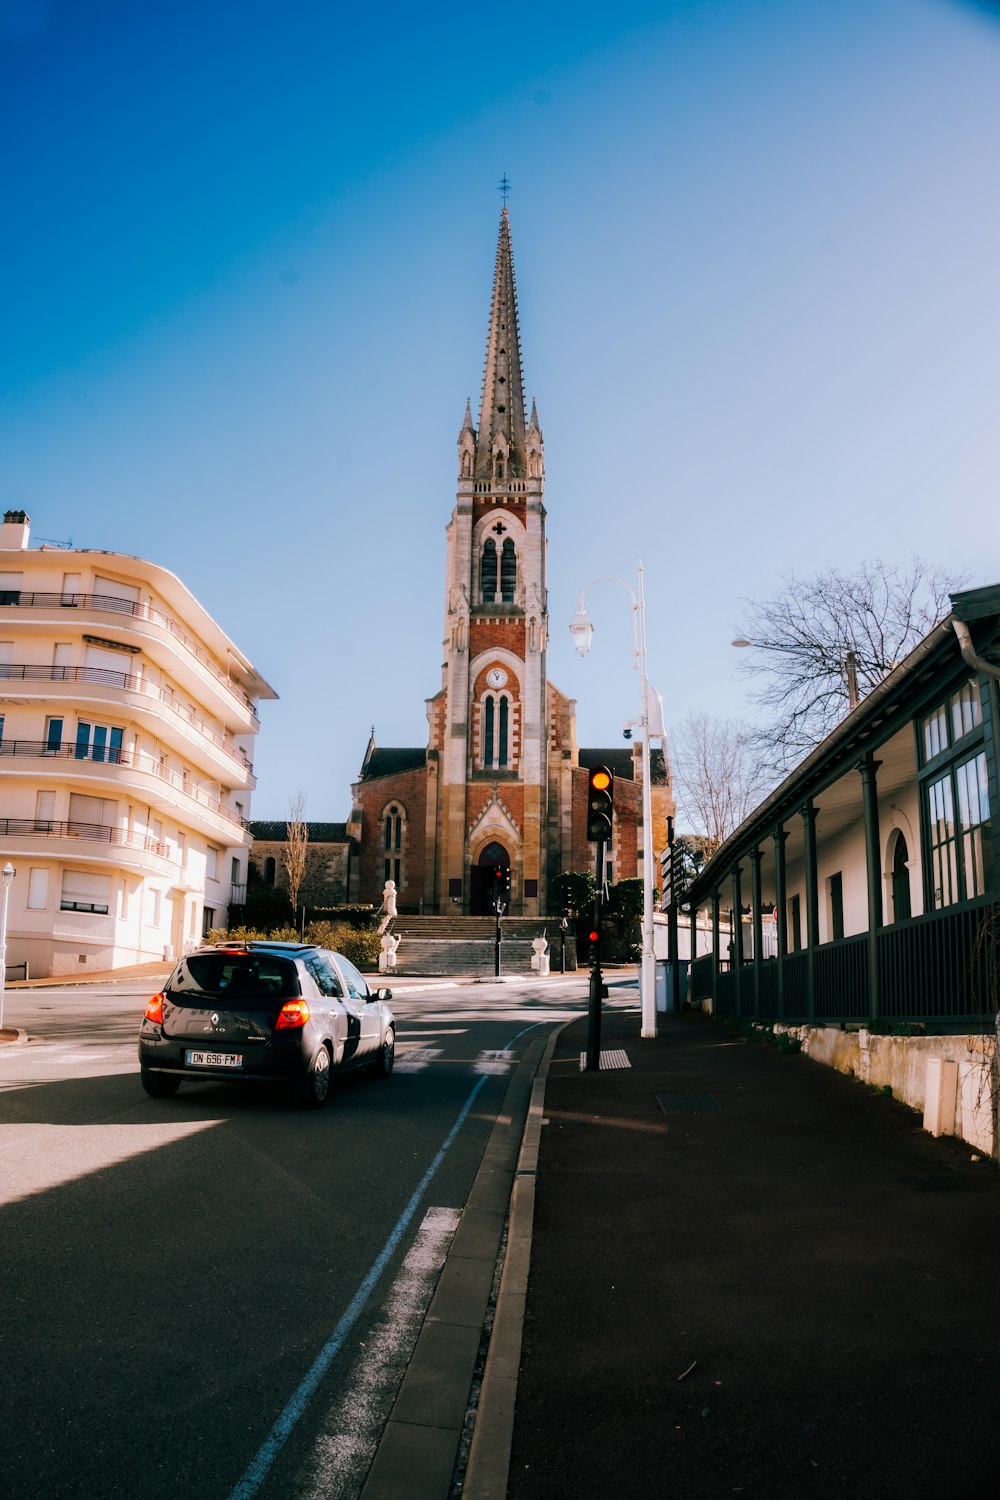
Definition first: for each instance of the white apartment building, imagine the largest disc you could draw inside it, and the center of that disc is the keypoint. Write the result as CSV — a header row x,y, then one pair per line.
x,y
127,724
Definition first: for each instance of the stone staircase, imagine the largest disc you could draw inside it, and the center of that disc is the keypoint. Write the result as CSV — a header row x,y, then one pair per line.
x,y
465,945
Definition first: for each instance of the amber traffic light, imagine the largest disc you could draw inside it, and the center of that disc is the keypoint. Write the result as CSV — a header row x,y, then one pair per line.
x,y
600,804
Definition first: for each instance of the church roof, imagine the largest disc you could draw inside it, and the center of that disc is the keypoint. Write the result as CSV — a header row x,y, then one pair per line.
x,y
275,831
393,759
502,409
620,761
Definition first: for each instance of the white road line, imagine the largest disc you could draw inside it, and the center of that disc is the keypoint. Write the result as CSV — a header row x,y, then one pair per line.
x,y
493,1062
345,1447
417,1060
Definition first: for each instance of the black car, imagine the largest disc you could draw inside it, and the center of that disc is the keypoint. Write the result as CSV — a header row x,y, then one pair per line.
x,y
286,1012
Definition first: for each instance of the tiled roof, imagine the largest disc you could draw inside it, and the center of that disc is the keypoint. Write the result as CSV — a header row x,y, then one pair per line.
x,y
391,760
275,832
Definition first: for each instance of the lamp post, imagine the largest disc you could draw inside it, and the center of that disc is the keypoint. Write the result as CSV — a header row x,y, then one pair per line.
x,y
582,632
8,874
850,670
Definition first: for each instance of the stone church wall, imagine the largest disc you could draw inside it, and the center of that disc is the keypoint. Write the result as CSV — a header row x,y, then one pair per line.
x,y
408,791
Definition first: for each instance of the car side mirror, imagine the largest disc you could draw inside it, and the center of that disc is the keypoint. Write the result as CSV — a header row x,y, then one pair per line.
x,y
384,995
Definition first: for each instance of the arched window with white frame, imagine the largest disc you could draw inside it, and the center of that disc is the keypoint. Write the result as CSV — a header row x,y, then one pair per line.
x,y
393,842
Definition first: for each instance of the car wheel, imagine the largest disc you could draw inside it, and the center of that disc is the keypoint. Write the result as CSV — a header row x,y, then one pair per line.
x,y
386,1055
315,1087
159,1085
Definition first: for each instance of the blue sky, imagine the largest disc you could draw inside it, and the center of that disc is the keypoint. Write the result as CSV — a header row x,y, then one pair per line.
x,y
245,265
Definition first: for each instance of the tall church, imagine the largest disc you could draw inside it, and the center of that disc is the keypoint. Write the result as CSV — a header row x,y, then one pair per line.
x,y
501,781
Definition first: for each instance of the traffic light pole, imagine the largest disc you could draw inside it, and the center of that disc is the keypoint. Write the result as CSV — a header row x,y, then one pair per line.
x,y
596,977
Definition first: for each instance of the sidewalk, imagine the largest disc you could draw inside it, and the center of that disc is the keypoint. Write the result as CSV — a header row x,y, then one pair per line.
x,y
780,1287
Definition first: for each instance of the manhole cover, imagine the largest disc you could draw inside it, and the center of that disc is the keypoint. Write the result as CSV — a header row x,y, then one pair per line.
x,y
687,1104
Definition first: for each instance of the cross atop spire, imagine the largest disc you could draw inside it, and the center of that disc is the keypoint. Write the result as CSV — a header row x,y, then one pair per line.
x,y
504,187
501,416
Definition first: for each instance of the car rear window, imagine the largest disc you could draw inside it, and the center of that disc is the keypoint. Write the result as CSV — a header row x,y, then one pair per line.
x,y
239,978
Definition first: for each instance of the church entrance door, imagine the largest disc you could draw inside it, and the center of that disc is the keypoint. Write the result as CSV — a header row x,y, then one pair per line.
x,y
483,879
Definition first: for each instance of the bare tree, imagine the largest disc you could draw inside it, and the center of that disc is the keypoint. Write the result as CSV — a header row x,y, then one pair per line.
x,y
720,773
824,639
293,855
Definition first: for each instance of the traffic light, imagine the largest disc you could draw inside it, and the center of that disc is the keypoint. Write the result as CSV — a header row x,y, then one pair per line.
x,y
600,804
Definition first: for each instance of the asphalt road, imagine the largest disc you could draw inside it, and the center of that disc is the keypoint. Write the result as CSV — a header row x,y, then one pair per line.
x,y
178,1275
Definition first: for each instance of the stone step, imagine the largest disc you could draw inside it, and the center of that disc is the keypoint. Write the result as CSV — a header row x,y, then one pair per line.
x,y
429,956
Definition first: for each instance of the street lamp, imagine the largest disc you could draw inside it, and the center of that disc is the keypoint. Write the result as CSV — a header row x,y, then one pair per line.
x,y
850,669
582,632
8,872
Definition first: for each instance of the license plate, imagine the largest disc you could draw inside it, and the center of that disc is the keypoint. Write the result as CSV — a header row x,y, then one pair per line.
x,y
214,1059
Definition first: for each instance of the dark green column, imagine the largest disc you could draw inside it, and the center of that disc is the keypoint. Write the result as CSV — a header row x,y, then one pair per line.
x,y
781,905
868,769
737,938
715,947
809,816
756,856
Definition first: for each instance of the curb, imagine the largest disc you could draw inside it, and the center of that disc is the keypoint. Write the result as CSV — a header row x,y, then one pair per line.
x,y
489,1455
426,1424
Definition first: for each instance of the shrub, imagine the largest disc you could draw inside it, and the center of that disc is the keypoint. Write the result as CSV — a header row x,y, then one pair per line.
x,y
353,915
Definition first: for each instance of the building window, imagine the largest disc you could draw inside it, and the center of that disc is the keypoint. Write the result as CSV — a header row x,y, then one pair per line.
x,y
488,571
508,571
98,742
950,722
835,886
270,869
212,863
489,723
394,842
38,890
795,923
53,736
959,832
504,736
84,892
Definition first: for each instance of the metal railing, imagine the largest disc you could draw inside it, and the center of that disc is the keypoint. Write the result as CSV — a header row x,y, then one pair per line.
x,y
55,828
128,682
929,970
134,760
111,603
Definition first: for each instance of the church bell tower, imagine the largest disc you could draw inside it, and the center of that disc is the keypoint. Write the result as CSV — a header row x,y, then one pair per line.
x,y
488,723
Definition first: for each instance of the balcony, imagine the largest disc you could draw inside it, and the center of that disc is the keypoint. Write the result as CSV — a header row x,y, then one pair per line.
x,y
52,828
128,683
111,603
130,759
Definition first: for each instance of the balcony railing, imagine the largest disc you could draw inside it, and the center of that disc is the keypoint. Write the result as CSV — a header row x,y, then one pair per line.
x,y
43,750
53,828
129,683
111,603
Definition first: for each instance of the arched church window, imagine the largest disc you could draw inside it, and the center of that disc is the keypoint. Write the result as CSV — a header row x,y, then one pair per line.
x,y
394,841
504,732
270,869
488,571
499,468
489,712
508,571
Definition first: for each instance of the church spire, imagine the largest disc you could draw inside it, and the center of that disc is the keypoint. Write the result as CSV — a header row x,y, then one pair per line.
x,y
501,447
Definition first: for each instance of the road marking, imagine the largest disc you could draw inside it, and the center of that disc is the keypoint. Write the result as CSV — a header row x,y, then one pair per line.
x,y
260,1464
343,1452
417,1060
493,1062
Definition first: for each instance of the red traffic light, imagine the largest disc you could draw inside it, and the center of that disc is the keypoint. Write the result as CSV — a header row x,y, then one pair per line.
x,y
593,937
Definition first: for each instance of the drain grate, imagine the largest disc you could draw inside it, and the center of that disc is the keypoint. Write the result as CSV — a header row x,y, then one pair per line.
x,y
688,1104
935,1182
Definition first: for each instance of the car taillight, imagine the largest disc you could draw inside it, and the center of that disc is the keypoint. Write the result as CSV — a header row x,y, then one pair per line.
x,y
154,1009
292,1013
